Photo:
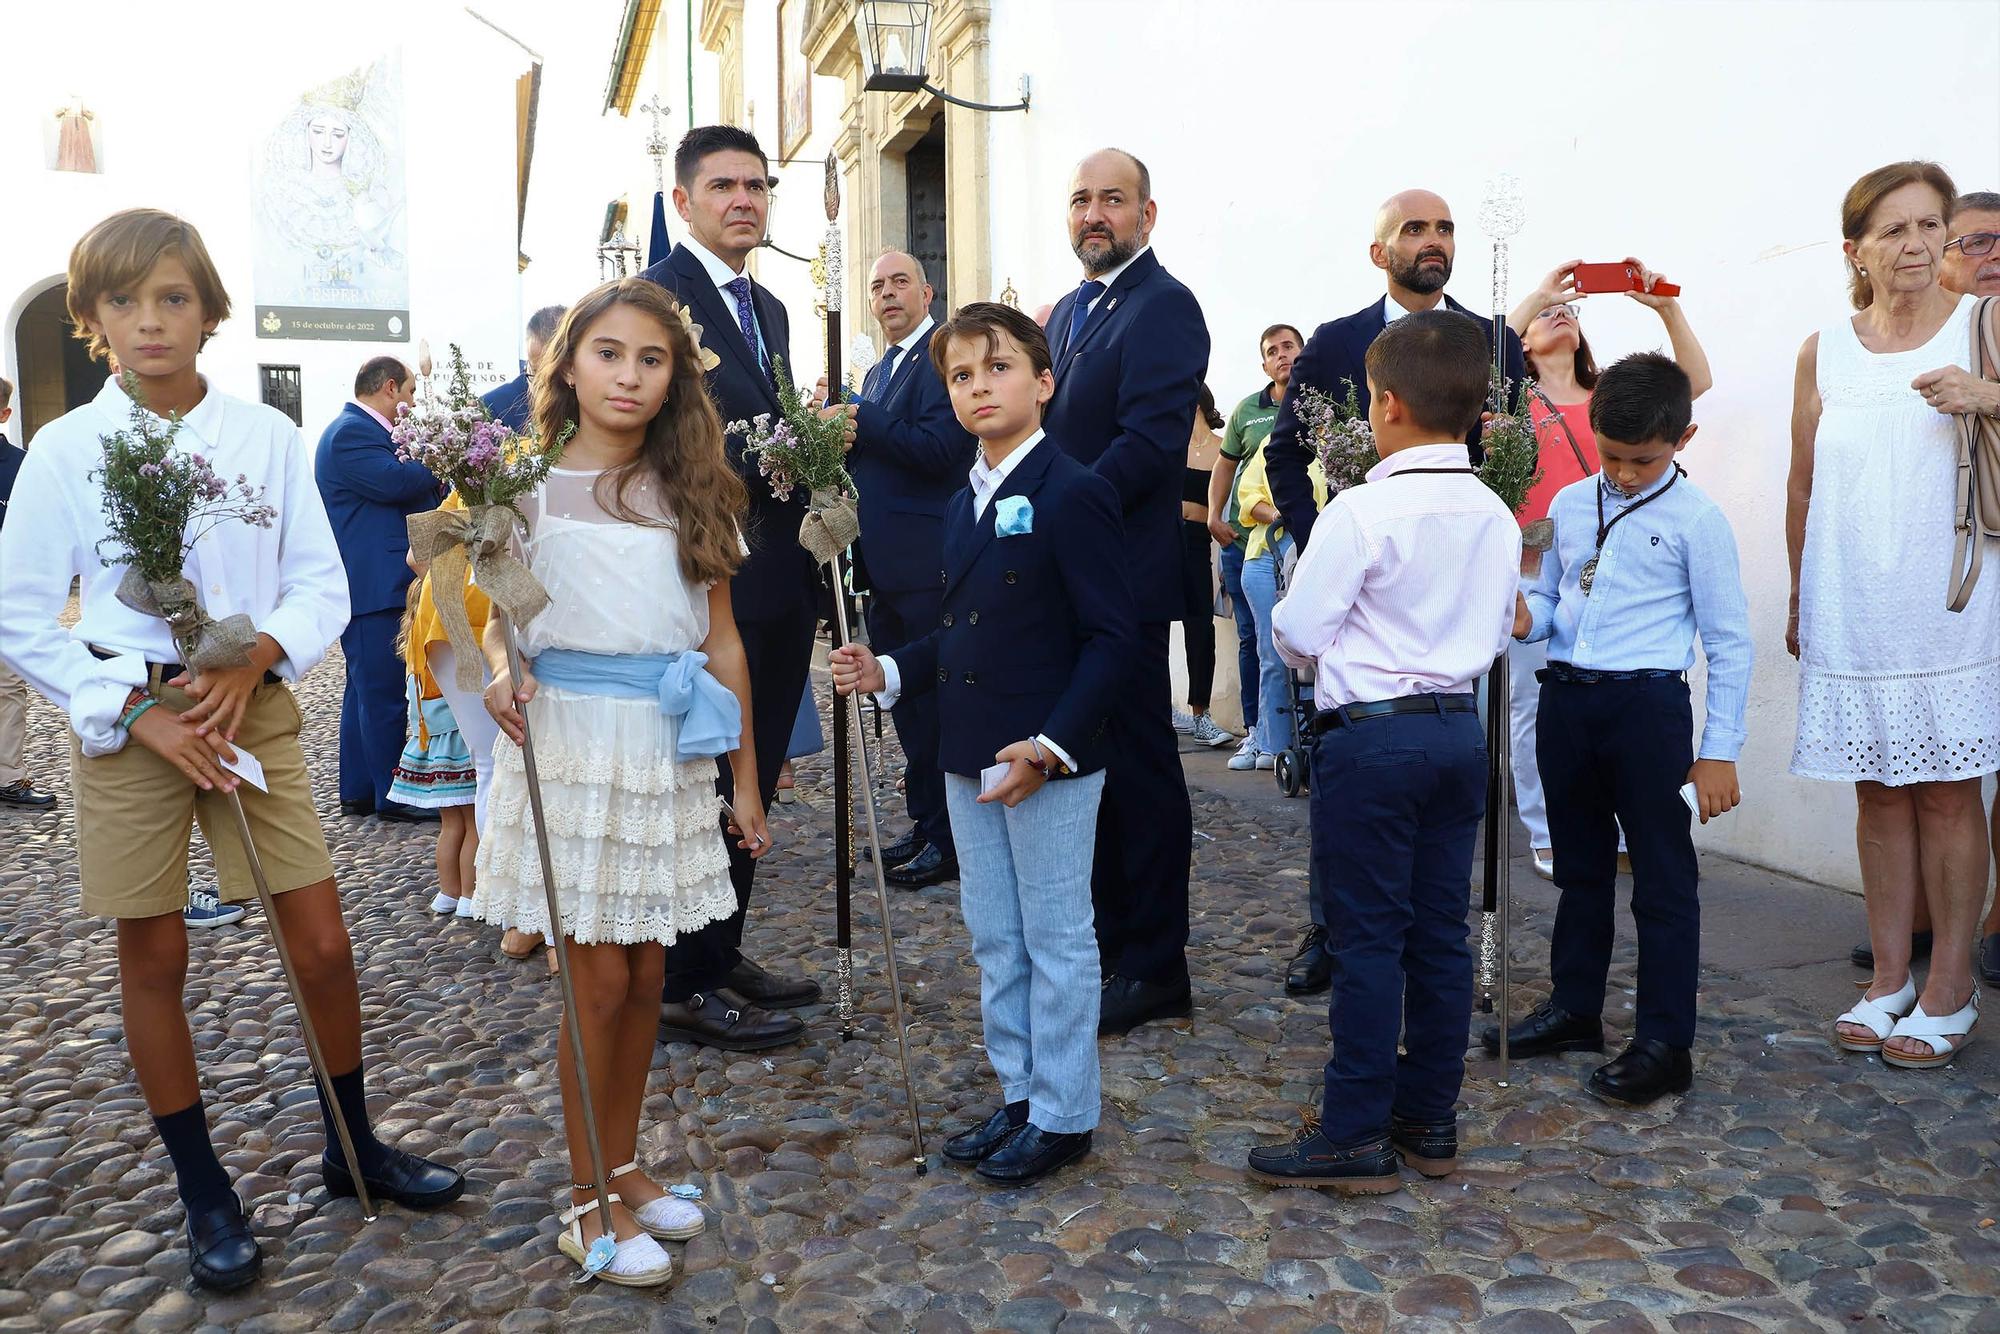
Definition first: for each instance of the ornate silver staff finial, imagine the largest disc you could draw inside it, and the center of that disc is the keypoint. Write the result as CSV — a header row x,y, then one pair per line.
x,y
835,279
1501,215
861,354
656,142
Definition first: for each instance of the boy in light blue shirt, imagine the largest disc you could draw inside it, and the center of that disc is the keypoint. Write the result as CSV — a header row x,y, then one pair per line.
x,y
1643,564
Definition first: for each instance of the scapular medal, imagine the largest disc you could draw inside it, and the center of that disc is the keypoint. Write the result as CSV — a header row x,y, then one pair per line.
x,y
1587,576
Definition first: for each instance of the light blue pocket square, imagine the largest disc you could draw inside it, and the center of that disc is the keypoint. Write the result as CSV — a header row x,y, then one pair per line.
x,y
1014,516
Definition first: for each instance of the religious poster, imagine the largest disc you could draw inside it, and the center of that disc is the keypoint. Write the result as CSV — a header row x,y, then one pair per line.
x,y
332,251
794,78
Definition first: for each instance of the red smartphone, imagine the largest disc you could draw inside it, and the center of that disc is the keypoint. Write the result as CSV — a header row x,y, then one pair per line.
x,y
1616,278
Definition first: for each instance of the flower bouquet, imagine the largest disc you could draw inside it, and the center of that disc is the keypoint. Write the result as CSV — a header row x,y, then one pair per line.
x,y
490,467
158,501
1512,464
803,451
1340,435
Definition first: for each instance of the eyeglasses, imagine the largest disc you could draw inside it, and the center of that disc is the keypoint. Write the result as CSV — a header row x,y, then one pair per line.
x,y
1550,312
1975,244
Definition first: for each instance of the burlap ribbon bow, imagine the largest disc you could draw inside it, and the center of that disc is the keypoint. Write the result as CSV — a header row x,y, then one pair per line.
x,y
830,526
205,643
450,540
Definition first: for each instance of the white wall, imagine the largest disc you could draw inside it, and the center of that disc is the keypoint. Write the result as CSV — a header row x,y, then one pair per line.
x,y
191,152
1712,140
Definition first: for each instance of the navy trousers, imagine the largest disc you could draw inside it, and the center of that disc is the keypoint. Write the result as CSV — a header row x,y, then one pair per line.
x,y
374,709
1145,829
898,618
1396,806
1616,753
778,653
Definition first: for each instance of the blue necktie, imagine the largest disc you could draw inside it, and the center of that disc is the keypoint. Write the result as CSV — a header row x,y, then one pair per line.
x,y
885,371
1078,313
746,317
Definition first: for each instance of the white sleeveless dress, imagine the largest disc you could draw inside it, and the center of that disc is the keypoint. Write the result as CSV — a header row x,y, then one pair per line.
x,y
634,834
1893,688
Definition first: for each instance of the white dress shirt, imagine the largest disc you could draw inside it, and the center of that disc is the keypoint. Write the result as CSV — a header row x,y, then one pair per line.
x,y
986,483
1393,310
287,578
1407,586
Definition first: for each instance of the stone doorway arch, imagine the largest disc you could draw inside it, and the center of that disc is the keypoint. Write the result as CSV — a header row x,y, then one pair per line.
x,y
54,372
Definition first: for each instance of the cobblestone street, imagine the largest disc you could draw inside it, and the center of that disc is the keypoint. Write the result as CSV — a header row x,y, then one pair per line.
x,y
1795,1188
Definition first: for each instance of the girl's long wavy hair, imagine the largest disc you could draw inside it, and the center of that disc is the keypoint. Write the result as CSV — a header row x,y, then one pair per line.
x,y
683,448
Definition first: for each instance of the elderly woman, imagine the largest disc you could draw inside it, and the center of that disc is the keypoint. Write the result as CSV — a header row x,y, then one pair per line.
x,y
1897,695
1563,373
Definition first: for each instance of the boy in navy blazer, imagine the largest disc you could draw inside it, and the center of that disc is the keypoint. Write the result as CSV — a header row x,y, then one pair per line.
x,y
1028,661
369,494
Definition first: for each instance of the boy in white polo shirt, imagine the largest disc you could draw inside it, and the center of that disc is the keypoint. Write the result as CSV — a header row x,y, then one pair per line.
x,y
143,290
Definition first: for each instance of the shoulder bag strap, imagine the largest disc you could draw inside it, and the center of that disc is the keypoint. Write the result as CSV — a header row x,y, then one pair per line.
x,y
1563,422
1978,472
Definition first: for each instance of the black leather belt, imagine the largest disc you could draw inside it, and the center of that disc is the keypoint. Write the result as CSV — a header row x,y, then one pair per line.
x,y
1326,720
1571,675
169,670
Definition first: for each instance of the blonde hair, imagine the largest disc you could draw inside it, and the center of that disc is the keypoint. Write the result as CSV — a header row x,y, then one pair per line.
x,y
119,252
683,447
1865,194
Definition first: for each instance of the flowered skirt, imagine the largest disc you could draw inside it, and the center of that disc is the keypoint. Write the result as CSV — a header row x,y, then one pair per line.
x,y
635,836
435,769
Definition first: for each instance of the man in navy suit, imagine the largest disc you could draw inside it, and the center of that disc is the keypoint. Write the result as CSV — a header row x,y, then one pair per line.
x,y
369,495
511,403
910,455
722,190
1415,242
1131,349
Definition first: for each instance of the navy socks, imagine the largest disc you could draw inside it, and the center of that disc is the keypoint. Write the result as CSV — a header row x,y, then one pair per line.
x,y
198,1173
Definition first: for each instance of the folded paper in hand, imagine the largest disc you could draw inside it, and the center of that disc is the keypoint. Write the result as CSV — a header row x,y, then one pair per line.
x,y
246,767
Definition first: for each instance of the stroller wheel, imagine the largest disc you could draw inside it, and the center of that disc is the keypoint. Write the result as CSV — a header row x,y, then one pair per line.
x,y
1290,772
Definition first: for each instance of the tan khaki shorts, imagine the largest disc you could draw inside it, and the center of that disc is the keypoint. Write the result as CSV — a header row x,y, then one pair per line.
x,y
134,810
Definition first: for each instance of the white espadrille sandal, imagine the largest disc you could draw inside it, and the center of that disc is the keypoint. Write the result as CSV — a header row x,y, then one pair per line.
x,y
1946,1035
669,1218
1878,1016
637,1262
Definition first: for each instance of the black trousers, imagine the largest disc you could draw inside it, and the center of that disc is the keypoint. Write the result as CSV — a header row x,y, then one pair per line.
x,y
1616,753
1198,583
895,619
779,653
1145,829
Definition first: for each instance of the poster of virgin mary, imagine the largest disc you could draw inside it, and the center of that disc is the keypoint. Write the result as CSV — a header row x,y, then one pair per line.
x,y
332,254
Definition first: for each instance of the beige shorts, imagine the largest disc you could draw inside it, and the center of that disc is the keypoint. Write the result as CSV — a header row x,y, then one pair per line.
x,y
134,810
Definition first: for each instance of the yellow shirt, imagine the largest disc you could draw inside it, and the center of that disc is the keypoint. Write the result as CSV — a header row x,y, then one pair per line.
x,y
427,627
1253,487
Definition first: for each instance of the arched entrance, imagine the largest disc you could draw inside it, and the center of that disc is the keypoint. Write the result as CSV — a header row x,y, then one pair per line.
x,y
56,372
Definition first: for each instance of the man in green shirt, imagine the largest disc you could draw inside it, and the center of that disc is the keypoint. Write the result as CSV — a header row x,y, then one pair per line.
x,y
1248,428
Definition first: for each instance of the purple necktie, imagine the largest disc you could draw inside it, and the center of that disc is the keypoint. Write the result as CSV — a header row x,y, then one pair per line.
x,y
746,317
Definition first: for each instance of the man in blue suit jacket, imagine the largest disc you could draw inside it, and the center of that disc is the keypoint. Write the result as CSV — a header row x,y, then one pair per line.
x,y
369,494
713,995
1131,349
511,403
910,455
1415,242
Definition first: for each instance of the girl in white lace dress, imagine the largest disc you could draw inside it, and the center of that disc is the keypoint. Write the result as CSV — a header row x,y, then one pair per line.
x,y
1897,694
634,538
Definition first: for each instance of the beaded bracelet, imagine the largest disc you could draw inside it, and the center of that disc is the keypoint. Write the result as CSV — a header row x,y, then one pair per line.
x,y
132,714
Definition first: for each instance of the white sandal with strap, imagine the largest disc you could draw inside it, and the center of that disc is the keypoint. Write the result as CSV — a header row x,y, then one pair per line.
x,y
1946,1035
1879,1016
638,1262
669,1218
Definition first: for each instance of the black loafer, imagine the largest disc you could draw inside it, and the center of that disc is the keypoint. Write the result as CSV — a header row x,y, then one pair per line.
x,y
1863,955
365,806
413,1182
24,796
1311,1160
1312,967
1030,1154
398,813
895,854
1642,1073
222,1254
1548,1029
1126,1002
769,990
930,867
1988,958
975,1144
1431,1147
726,1020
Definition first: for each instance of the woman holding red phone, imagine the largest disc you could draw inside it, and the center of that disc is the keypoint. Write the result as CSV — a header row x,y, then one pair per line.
x,y
1562,374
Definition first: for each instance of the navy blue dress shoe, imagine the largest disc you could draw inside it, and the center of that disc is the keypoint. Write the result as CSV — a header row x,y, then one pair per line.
x,y
416,1183
222,1254
1431,1147
930,867
1030,1154
895,854
1310,1159
975,1144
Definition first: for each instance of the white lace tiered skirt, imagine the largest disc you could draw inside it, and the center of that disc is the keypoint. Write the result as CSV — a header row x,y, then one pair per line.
x,y
1914,727
634,836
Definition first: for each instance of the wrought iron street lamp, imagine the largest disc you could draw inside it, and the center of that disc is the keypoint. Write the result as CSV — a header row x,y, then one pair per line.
x,y
895,37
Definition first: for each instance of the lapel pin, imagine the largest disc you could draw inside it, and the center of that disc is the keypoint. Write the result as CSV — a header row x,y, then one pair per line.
x,y
1111,305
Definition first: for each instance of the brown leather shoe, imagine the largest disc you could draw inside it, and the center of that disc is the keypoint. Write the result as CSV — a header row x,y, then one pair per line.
x,y
724,1019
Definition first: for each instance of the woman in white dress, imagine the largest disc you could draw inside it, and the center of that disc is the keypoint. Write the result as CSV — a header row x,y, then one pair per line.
x,y
637,681
1897,695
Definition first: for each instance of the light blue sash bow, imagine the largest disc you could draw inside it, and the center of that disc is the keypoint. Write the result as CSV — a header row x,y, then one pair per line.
x,y
710,716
